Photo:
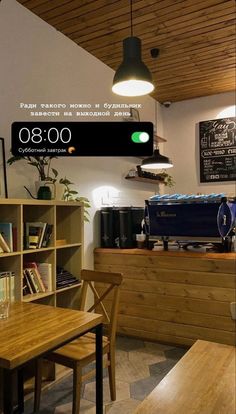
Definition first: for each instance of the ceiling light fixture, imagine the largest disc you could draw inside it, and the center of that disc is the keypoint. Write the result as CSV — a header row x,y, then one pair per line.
x,y
132,78
156,161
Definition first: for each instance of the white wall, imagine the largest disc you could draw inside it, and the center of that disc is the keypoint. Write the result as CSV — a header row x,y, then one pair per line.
x,y
40,65
181,128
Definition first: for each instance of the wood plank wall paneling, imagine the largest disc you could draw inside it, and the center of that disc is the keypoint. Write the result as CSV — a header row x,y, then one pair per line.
x,y
196,38
173,299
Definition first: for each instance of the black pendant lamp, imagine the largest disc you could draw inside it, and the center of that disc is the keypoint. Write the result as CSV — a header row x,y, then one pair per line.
x,y
156,161
132,78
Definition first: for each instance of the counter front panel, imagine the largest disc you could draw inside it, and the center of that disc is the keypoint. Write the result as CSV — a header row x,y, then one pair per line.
x,y
173,297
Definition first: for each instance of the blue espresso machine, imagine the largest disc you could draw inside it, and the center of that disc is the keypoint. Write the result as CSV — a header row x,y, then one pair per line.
x,y
191,218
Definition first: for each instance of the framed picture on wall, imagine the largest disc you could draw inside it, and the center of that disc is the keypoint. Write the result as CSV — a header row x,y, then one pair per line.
x,y
3,175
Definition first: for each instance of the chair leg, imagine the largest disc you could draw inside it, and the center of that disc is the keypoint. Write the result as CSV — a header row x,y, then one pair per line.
x,y
38,384
77,380
111,373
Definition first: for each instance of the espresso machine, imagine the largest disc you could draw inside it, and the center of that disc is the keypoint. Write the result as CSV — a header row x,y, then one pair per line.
x,y
191,219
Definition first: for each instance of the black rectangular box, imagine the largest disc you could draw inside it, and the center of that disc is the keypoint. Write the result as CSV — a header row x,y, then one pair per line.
x,y
119,225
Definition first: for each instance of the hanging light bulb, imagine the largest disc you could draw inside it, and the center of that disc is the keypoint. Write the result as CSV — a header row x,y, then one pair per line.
x,y
132,78
156,161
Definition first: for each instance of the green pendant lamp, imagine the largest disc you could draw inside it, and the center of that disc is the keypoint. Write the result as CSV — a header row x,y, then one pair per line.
x,y
132,78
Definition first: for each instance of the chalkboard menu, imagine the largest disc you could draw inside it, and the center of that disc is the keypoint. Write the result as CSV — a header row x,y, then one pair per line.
x,y
218,150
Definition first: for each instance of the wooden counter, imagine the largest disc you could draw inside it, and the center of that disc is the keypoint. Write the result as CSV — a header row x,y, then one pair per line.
x,y
174,297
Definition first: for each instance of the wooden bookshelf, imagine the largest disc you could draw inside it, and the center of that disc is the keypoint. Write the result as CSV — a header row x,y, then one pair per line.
x,y
67,220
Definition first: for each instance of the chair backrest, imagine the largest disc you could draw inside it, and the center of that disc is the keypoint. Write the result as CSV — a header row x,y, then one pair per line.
x,y
105,287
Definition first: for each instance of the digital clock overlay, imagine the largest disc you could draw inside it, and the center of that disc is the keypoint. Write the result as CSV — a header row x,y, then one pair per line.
x,y
133,139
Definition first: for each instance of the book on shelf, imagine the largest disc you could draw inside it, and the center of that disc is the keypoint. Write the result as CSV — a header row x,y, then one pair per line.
x,y
6,237
31,280
7,286
64,278
67,283
36,275
37,234
33,231
45,270
42,234
12,286
4,245
47,235
14,238
27,289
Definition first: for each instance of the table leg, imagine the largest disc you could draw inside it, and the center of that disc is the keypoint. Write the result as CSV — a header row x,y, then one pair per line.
x,y
99,371
8,391
20,384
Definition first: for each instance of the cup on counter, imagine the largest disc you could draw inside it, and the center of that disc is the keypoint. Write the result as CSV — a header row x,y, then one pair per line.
x,y
141,241
5,290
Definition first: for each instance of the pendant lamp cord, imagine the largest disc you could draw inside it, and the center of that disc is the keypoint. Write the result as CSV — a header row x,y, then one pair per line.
x,y
156,146
131,17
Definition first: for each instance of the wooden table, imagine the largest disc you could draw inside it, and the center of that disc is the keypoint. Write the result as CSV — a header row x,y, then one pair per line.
x,y
32,330
202,382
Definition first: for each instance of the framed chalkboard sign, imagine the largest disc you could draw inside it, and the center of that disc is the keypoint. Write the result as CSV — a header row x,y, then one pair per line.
x,y
217,150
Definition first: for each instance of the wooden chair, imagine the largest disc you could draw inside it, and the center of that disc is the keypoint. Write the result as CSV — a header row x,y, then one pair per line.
x,y
81,351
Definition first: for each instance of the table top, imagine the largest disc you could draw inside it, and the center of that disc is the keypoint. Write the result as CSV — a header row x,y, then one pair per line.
x,y
203,381
32,330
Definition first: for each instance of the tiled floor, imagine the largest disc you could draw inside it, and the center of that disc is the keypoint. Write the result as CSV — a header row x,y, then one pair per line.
x,y
140,366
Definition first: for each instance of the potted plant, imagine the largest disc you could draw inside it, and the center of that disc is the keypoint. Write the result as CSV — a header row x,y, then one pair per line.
x,y
49,175
42,164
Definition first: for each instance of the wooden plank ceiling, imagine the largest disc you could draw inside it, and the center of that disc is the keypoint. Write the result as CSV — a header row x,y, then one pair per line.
x,y
196,39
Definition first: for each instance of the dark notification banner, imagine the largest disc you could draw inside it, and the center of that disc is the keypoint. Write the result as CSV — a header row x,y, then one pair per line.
x,y
82,139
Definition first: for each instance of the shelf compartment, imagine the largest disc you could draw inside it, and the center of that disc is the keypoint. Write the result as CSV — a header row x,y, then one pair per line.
x,y
12,214
69,298
12,263
76,285
70,260
69,223
36,296
47,256
40,213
